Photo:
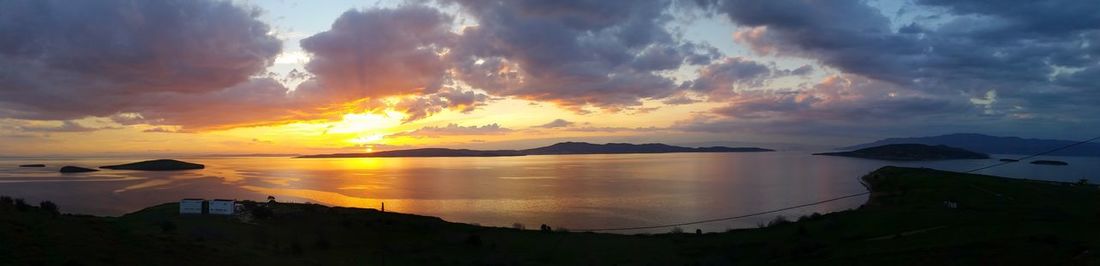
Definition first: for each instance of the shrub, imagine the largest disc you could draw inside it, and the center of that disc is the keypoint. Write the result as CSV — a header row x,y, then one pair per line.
x,y
676,230
22,205
778,220
6,201
49,207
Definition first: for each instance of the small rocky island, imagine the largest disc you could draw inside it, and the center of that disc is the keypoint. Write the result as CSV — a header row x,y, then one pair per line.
x,y
75,169
910,152
1049,162
156,165
32,165
1010,160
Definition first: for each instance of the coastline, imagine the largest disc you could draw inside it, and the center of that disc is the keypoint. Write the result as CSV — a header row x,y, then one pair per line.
x,y
912,199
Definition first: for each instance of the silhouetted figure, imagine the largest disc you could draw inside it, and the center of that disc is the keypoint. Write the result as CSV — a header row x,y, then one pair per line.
x,y
699,232
383,206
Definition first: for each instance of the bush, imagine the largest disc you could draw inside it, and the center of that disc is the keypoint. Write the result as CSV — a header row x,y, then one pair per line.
x,y
22,205
676,230
49,207
778,220
6,201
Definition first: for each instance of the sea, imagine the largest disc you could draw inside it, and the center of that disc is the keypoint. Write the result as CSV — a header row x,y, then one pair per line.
x,y
574,192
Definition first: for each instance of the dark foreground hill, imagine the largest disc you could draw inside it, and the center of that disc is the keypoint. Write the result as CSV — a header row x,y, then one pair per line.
x,y
906,221
559,148
910,152
993,144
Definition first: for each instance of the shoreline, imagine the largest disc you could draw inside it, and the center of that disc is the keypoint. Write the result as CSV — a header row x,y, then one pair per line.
x,y
906,220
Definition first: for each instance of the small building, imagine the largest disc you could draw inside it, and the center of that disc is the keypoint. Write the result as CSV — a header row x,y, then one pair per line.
x,y
191,206
222,206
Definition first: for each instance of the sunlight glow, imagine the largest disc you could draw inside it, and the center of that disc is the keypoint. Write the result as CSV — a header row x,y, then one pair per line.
x,y
360,123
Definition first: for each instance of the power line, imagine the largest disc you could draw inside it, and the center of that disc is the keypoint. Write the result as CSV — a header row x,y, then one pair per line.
x,y
823,201
1034,155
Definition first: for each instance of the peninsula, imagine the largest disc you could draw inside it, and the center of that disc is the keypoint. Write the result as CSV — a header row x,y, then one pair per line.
x,y
559,148
910,152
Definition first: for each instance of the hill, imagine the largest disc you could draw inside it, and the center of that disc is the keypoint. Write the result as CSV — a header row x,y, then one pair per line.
x,y
910,152
612,148
427,152
156,165
906,221
993,144
559,148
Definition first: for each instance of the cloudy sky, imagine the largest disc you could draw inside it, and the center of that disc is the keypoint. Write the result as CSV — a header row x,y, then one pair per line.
x,y
196,77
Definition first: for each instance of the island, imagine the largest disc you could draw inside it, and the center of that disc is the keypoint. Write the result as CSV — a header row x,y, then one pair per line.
x,y
75,169
156,165
1049,162
995,144
556,149
910,152
427,152
913,216
1009,160
32,165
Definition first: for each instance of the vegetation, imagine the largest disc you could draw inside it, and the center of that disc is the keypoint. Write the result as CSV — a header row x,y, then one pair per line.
x,y
998,221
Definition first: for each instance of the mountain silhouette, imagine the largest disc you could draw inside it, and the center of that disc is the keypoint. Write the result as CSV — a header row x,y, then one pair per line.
x,y
993,144
559,148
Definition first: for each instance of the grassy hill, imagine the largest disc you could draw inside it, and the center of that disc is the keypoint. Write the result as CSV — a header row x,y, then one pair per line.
x,y
998,221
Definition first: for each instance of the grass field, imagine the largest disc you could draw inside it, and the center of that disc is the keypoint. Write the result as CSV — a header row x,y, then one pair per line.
x,y
997,221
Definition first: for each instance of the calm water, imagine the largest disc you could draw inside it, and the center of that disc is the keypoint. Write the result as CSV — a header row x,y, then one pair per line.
x,y
571,191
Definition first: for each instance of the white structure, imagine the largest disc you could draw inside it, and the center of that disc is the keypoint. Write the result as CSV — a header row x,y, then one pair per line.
x,y
222,206
191,206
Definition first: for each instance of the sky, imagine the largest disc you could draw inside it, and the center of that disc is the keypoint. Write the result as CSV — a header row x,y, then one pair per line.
x,y
120,77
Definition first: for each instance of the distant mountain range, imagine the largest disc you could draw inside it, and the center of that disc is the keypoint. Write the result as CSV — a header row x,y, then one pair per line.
x,y
993,144
559,148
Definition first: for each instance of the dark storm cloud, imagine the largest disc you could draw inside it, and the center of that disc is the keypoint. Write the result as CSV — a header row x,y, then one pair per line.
x,y
723,77
66,60
574,53
187,63
379,52
420,107
835,104
1039,56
